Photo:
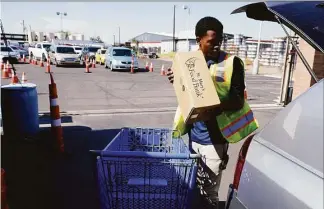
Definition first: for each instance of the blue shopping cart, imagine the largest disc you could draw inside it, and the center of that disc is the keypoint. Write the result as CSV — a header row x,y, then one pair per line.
x,y
146,168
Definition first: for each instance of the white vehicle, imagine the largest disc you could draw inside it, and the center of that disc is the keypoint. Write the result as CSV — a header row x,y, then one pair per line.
x,y
78,49
63,55
7,53
282,165
40,51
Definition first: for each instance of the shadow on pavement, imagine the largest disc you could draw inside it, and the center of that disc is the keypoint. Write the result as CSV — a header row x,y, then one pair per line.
x,y
38,177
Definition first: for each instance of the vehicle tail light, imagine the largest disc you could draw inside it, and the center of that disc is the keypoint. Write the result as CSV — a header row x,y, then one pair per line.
x,y
241,161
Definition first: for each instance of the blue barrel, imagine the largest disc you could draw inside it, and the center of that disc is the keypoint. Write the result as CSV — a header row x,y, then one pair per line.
x,y
19,107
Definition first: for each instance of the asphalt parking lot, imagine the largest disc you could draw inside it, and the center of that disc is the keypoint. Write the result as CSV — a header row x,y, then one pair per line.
x,y
103,89
96,105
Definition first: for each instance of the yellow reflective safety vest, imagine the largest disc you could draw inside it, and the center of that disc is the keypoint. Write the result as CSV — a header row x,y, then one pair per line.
x,y
234,125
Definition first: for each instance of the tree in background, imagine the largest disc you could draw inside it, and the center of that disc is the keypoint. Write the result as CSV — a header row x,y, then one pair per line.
x,y
96,39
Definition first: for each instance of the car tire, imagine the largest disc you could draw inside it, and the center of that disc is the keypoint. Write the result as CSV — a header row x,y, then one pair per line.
x,y
154,56
44,58
106,65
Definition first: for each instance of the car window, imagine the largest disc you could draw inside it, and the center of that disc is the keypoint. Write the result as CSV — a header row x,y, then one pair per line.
x,y
122,53
38,46
46,46
6,49
14,48
103,51
65,50
78,48
92,49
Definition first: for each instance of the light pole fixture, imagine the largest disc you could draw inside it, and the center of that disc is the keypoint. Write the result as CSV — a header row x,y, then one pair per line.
x,y
61,14
186,7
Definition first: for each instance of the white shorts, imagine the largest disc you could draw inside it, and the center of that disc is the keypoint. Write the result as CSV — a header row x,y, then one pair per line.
x,y
209,174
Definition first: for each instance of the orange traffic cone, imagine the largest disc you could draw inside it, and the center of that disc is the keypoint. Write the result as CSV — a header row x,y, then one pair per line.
x,y
2,66
48,66
147,66
8,68
56,126
93,63
24,58
87,67
23,78
162,70
14,78
151,67
35,62
5,73
41,64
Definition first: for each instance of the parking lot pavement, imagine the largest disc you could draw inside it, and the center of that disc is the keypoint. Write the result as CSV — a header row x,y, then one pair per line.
x,y
103,89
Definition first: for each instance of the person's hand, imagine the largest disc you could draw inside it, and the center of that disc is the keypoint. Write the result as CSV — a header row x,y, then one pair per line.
x,y
170,75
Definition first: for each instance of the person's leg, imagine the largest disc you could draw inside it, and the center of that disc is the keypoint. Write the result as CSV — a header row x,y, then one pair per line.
x,y
209,174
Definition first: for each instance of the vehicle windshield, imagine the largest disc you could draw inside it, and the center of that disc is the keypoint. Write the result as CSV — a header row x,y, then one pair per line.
x,y
122,53
14,48
65,50
77,48
103,51
47,46
6,49
93,49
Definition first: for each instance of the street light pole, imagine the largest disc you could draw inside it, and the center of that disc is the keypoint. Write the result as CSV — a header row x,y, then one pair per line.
x,y
174,46
114,40
185,7
61,14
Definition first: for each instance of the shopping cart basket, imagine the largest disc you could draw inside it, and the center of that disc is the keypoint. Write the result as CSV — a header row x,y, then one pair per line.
x,y
146,168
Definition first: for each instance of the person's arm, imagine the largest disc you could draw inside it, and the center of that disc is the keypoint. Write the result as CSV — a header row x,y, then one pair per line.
x,y
236,94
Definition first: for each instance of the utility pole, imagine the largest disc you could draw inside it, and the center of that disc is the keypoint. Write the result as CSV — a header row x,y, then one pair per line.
x,y
174,46
114,40
255,69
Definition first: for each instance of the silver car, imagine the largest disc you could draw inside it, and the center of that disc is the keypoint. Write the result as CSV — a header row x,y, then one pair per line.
x,y
120,58
281,167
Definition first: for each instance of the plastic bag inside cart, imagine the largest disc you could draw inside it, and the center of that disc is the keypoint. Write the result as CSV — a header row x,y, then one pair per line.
x,y
146,168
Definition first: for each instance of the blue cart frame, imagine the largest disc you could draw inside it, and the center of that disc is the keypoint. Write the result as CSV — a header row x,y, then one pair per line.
x,y
146,168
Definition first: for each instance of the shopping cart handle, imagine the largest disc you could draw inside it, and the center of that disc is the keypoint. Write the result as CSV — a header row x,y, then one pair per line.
x,y
139,154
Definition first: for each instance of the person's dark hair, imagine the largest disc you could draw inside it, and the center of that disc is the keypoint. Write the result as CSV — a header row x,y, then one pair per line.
x,y
208,23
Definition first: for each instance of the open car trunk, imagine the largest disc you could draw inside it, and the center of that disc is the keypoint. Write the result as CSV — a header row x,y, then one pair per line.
x,y
306,19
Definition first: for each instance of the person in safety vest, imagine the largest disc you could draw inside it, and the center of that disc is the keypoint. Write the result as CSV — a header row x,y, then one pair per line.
x,y
232,122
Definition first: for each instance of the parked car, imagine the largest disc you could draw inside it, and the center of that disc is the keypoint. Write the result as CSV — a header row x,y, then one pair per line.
x,y
40,51
120,58
282,165
78,49
63,55
100,56
20,50
153,55
7,53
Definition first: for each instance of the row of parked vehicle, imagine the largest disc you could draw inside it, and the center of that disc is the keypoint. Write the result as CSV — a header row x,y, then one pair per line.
x,y
59,55
12,53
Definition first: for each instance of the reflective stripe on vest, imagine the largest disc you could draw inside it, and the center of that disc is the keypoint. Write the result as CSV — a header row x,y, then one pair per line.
x,y
237,125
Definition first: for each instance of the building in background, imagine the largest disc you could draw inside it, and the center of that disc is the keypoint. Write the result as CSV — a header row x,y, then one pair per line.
x,y
34,36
